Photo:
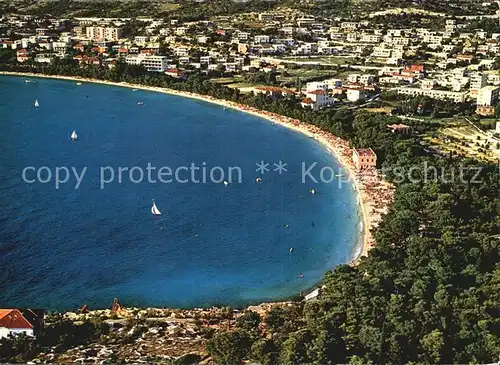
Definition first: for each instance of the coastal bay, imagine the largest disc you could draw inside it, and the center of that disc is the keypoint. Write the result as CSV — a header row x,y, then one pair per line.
x,y
312,273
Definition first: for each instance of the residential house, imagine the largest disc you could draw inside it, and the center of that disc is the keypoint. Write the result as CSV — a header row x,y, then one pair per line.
x,y
149,62
22,55
400,129
13,323
355,94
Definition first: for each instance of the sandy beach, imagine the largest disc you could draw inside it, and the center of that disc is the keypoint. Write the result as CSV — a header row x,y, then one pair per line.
x,y
375,195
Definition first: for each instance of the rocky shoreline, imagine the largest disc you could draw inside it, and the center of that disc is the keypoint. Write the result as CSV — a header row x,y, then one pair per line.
x,y
147,335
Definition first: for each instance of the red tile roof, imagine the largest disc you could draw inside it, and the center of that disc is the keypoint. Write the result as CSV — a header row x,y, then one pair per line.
x,y
275,89
307,101
397,126
365,152
317,92
13,318
417,68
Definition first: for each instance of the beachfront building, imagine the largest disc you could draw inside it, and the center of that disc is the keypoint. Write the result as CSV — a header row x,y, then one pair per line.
x,y
457,97
477,82
149,62
12,323
317,99
364,158
487,98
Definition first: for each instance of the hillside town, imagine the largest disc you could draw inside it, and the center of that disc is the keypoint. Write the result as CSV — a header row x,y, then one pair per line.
x,y
450,62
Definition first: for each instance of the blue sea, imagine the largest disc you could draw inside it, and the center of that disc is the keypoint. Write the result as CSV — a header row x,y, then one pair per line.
x,y
63,246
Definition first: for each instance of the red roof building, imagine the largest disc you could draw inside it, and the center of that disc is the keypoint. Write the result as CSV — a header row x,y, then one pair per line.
x,y
12,322
174,72
400,128
79,47
364,158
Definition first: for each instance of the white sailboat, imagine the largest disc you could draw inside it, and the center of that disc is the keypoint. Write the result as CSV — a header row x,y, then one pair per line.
x,y
37,104
74,136
155,210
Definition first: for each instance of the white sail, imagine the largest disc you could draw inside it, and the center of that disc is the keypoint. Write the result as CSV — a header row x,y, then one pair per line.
x,y
155,210
74,136
36,104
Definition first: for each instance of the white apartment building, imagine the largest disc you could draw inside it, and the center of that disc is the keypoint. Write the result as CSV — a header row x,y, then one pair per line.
x,y
320,99
258,39
180,31
488,96
367,79
140,39
60,47
381,52
457,97
352,37
353,78
478,81
317,85
150,63
181,51
354,95
395,32
437,39
307,48
400,41
243,36
370,38
103,33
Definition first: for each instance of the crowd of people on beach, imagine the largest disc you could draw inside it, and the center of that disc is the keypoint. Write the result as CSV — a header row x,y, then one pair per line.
x,y
376,194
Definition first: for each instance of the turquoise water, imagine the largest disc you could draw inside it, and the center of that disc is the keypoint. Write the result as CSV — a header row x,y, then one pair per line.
x,y
213,244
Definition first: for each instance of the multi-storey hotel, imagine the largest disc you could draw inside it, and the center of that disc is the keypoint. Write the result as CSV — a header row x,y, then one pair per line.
x,y
104,33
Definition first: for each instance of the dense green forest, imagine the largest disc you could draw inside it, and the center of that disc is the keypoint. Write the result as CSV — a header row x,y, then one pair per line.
x,y
430,290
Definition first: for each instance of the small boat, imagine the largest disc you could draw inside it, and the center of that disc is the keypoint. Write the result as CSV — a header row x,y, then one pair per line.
x,y
78,83
27,81
74,136
155,210
258,180
37,104
300,276
140,103
134,89
312,191
291,250
287,226
226,183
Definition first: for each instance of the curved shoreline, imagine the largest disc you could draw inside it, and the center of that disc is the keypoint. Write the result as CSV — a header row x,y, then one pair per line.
x,y
338,147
